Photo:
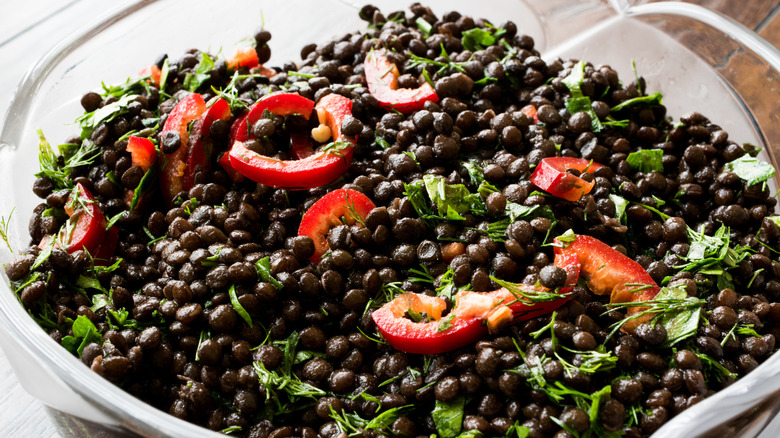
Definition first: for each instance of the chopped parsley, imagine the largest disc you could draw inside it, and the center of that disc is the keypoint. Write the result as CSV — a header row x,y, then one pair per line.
x,y
751,169
646,160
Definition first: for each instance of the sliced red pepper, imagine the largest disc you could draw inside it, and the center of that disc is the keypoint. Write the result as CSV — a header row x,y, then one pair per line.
x,y
142,152
551,176
342,206
179,168
86,224
471,319
608,271
202,146
474,315
278,104
318,169
107,247
153,72
224,161
243,57
382,78
530,111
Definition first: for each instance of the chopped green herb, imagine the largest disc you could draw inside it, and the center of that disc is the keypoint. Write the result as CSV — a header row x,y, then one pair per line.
x,y
238,307
147,181
654,99
477,39
84,332
676,312
231,429
621,204
751,169
263,267
448,417
164,72
646,160
446,323
90,121
476,174
193,81
286,391
681,324
423,26
583,104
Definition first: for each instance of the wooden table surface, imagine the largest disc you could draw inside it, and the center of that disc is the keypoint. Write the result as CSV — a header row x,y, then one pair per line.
x,y
27,32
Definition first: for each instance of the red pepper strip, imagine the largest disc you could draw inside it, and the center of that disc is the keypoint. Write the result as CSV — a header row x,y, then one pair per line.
x,y
319,169
278,104
382,79
608,271
142,152
105,250
243,57
475,314
86,225
179,168
238,124
200,153
424,338
530,111
224,161
335,208
153,72
550,175
174,167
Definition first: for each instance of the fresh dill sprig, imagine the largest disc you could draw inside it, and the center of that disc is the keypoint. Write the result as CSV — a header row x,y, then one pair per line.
x,y
4,222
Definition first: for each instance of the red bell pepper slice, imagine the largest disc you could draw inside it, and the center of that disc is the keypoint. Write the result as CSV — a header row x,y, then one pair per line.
x,y
382,78
142,152
550,175
179,168
474,315
530,111
224,161
153,72
318,169
107,247
342,206
608,271
86,224
279,104
243,57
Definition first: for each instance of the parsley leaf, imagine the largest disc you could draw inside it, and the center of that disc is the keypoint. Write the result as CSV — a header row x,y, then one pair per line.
x,y
579,102
423,26
238,307
681,324
620,207
263,267
751,169
448,417
84,332
452,200
192,81
646,160
477,39
654,99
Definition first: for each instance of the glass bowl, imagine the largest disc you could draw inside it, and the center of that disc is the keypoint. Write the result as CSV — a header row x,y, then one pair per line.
x,y
698,59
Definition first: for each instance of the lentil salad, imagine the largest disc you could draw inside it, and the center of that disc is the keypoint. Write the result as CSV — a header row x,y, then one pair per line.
x,y
479,226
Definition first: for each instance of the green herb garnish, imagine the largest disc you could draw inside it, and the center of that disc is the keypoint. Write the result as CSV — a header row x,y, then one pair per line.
x,y
238,307
84,332
448,417
751,169
646,160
